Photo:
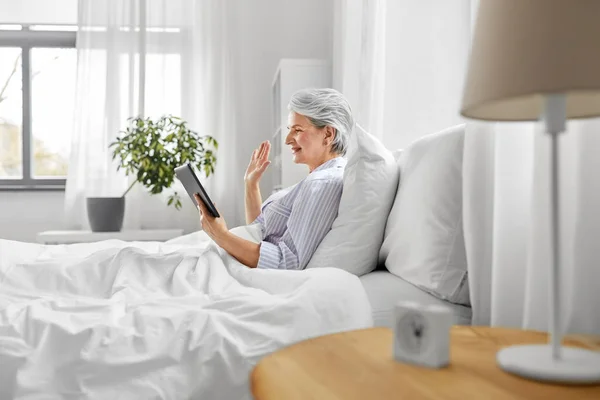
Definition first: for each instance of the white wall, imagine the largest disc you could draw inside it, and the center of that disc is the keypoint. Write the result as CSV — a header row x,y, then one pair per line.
x,y
24,214
422,87
264,31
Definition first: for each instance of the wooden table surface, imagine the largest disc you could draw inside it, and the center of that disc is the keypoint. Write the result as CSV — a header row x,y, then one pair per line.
x,y
359,365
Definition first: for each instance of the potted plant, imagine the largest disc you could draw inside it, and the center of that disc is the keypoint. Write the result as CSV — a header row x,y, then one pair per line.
x,y
150,149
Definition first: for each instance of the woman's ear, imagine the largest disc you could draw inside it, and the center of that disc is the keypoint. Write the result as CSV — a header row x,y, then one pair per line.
x,y
329,135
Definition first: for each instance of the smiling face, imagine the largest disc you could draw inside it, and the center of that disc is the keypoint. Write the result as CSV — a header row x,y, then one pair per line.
x,y
310,145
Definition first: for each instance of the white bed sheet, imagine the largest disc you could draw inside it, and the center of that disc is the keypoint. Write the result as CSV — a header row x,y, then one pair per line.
x,y
175,320
385,290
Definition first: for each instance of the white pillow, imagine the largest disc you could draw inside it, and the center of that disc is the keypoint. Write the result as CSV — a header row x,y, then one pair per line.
x,y
370,182
424,241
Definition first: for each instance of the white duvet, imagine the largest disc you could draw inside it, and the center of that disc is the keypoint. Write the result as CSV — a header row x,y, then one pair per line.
x,y
175,320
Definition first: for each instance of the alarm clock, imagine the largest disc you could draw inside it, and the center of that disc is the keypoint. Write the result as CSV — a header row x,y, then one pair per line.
x,y
422,334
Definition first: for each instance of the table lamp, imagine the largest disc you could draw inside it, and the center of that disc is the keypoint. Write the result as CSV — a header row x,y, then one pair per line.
x,y
530,60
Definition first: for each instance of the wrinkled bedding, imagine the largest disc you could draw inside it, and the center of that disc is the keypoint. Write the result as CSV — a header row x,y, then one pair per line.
x,y
150,320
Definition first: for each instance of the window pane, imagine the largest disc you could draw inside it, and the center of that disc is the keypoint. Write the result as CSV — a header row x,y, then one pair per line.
x,y
60,28
163,85
6,27
53,75
11,113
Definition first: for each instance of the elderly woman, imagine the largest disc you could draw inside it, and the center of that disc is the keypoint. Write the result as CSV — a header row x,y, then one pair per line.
x,y
294,220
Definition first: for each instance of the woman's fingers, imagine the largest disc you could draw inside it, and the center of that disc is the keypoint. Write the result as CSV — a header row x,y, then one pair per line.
x,y
201,204
262,150
255,154
261,154
198,200
265,152
259,151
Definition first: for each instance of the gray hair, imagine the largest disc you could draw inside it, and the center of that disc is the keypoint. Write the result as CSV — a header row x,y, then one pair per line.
x,y
326,107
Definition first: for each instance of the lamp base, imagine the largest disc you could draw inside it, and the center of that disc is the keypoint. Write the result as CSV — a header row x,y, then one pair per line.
x,y
577,366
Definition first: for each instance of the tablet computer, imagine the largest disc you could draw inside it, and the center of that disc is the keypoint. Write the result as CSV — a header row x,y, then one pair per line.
x,y
192,185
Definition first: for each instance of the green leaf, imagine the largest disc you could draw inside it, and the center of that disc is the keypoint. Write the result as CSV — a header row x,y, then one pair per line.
x,y
150,148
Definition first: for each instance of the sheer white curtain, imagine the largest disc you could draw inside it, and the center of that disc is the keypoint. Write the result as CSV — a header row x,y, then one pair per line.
x,y
140,57
507,214
359,59
427,49
506,173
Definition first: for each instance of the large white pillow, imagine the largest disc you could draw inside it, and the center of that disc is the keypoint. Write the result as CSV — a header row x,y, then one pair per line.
x,y
370,182
424,241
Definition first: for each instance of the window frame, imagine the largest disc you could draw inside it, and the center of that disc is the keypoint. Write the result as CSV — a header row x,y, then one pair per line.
x,y
27,39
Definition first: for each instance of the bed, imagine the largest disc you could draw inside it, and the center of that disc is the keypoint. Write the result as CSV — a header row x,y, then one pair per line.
x,y
183,319
384,290
151,320
167,320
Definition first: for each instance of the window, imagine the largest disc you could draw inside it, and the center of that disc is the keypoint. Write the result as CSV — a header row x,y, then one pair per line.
x,y
11,114
37,97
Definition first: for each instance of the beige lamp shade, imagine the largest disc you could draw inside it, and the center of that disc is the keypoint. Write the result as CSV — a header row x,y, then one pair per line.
x,y
525,49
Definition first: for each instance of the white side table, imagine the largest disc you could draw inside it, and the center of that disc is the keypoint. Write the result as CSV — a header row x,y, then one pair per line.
x,y
144,235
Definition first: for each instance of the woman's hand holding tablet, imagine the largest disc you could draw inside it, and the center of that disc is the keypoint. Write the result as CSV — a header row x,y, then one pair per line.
x,y
192,185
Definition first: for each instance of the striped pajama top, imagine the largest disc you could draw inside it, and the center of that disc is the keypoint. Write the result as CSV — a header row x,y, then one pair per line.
x,y
295,220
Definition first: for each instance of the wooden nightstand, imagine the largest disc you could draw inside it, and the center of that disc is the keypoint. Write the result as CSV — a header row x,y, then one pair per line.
x,y
359,365
143,235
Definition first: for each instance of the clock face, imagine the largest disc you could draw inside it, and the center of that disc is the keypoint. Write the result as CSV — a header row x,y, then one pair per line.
x,y
413,332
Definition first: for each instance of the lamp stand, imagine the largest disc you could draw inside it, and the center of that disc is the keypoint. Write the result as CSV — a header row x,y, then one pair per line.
x,y
553,362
